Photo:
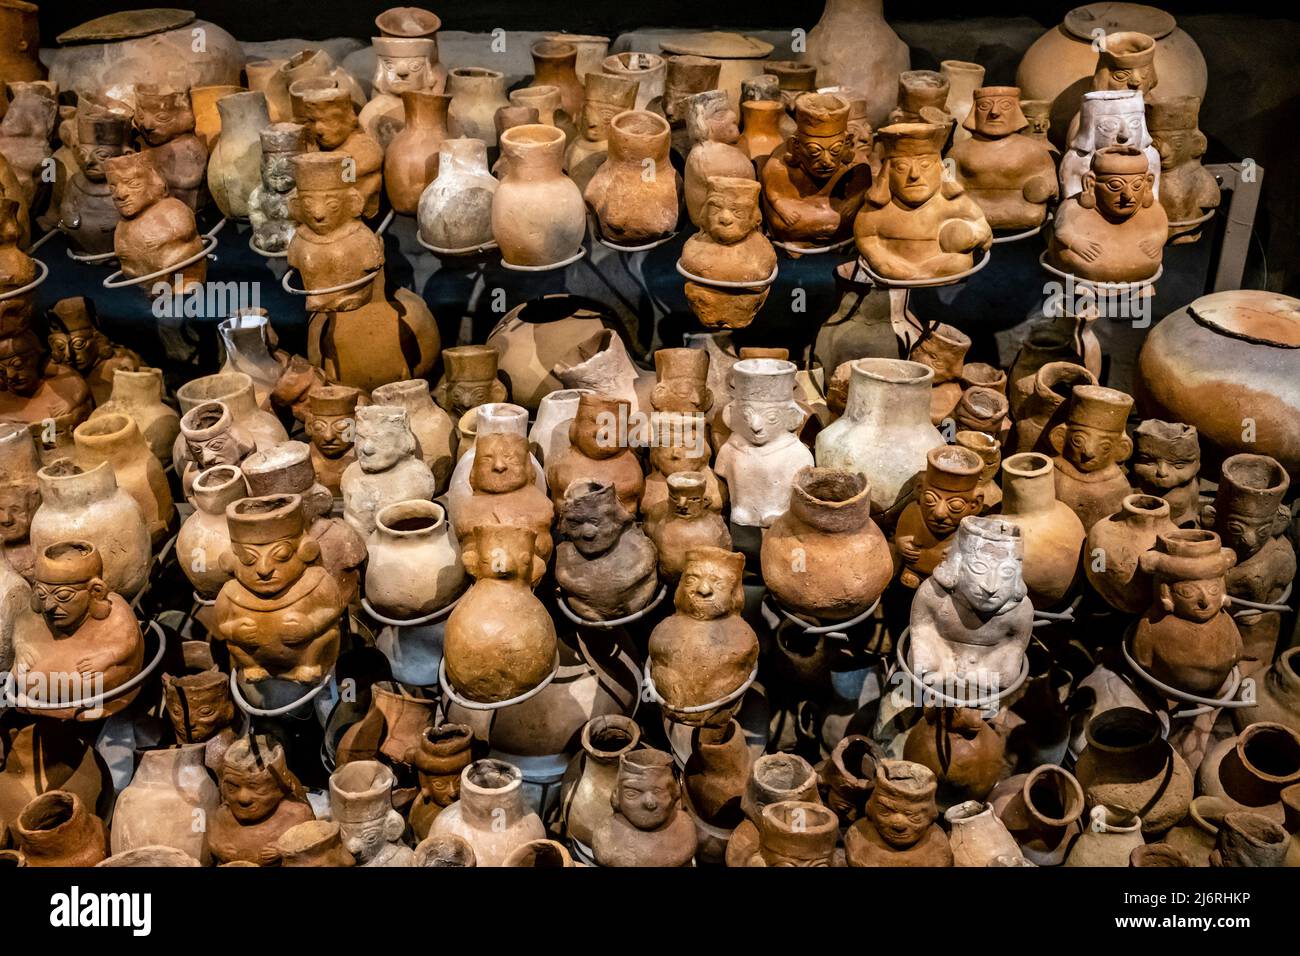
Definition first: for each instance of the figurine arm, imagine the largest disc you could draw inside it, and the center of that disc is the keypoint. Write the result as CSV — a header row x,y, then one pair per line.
x,y
1070,239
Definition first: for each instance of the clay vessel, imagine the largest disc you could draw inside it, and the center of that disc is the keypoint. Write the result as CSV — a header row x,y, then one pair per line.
x,y
1040,400
555,64
634,192
1128,767
388,468
412,534
1167,464
979,837
171,790
899,827
491,814
714,130
455,209
853,46
115,439
1041,810
1051,532
648,826
18,57
648,70
549,434
729,247
714,781
439,757
57,829
687,522
1114,546
1277,694
446,850
1248,839
761,134
411,160
947,494
235,390
235,166
531,338
1158,855
590,779
599,449
261,800
430,424
1109,838
962,750
314,843
477,93
538,216
138,394
204,536
1251,770
607,566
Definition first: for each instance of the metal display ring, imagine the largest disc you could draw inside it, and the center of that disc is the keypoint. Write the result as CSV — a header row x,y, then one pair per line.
x,y
415,621
42,274
613,622
1027,234
582,251
754,286
645,246
452,253
329,290
903,644
252,711
98,700
252,244
882,282
96,257
468,704
827,628
796,250
1227,701
669,709
1105,288
112,282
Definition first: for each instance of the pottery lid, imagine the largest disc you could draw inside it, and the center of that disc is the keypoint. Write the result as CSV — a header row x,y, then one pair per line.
x,y
127,24
1264,318
719,45
1115,17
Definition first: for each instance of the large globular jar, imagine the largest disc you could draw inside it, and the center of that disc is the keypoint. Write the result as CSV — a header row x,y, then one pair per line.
x,y
1229,365
852,46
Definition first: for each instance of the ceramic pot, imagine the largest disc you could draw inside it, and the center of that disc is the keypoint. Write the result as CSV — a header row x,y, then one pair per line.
x,y
843,561
235,166
139,395
86,504
977,836
392,730
234,390
773,778
740,56
1252,769
19,60
1040,400
476,95
431,425
57,829
117,440
412,534
538,215
650,72
963,79
853,46
170,792
532,338
315,843
246,340
1108,839
1128,766
1051,532
205,537
592,50
589,781
1277,694
491,814
1041,811
455,209
207,118
555,64
1114,546
885,432
411,160
1248,839
964,752
762,134
442,753
41,757
549,434
634,192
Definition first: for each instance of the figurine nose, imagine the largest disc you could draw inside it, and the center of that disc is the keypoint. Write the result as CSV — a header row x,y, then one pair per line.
x,y
705,589
1122,136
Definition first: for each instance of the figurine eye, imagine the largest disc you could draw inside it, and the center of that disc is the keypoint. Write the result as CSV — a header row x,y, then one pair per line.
x,y
246,557
979,567
1121,74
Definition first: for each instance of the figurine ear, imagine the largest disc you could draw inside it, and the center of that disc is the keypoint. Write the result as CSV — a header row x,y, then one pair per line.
x,y
1125,448
100,606
37,604
878,191
295,207
1087,199
969,122
308,549
538,571
793,418
1165,597
356,203
726,415
657,393
1199,144
1056,437
469,558
394,826
1208,515
613,797
227,562
1281,521
1149,193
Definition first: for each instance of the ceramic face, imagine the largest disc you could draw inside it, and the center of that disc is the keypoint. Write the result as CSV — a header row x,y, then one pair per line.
x,y
899,821
593,527
1039,123
65,605
1176,146
80,349
325,210
943,510
593,432
1198,601
595,119
16,508
163,120
135,190
1091,449
380,447
1246,534
706,590
773,858
688,504
330,123
913,180
332,434
444,791
221,449
466,395
201,714
252,795
277,171
670,459
398,74
91,156
759,422
500,464
1129,78
1120,196
1120,128
728,219
996,115
988,582
21,372
1164,464
723,124
647,799
268,569
365,838
821,156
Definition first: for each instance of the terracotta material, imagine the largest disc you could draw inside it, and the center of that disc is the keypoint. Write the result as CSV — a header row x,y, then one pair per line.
x,y
471,379
138,394
170,790
714,780
1128,767
1248,839
402,65
686,75
157,231
261,799
391,729
117,440
430,424
164,117
555,64
729,247
207,120
885,431
411,160
915,225
477,93
592,50
1187,190
1040,402
37,395
705,651
235,166
444,851
18,58
1158,855
87,212
1277,694
606,567
212,437
1186,638
361,803
761,133
599,450
91,642
853,46
236,391
1251,770
1108,839
20,496
249,346
269,202
1114,547
678,444
648,826
796,834
25,133
1041,810
538,217
387,469
503,495
686,524
1108,119
1166,464
814,185
316,843
714,131
331,424
990,453
442,753
948,493
455,209
634,192
943,348
978,837
500,641
648,70
964,752
532,338
491,814
591,779
202,712
1090,446
57,829
899,828
412,534
87,505
606,96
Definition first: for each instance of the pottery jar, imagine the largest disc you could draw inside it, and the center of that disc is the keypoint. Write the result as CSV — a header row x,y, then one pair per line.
x,y
205,536
1114,545
235,391
446,850
487,419
439,757
455,209
431,425
410,535
773,778
714,779
139,394
168,799
592,50
540,853
1051,532
1040,400
1249,839
1109,838
796,833
1041,810
476,95
411,160
1129,767
1252,769
247,340
491,814
314,843
58,829
1277,694
825,556
207,118
1158,855
549,434
555,64
634,192
977,836
116,439
963,79
885,432
1195,838
650,72
19,60
853,46
86,504
392,730
235,166
740,56
550,109
590,779
963,750
859,327
990,452
41,757
538,214
762,134
531,338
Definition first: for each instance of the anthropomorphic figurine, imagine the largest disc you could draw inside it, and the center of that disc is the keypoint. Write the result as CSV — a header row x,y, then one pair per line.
x,y
705,652
1114,230
17,268
1251,519
260,799
899,828
679,442
600,442
760,458
331,425
916,223
331,245
1187,638
504,493
972,618
388,468
91,642
714,130
1167,464
76,342
1126,63
212,437
361,803
796,833
1115,118
1187,189
814,184
686,523
443,752
157,231
1010,174
730,247
1038,114
269,209
87,213
165,120
949,492
943,348
648,826
1090,446
605,565
33,398
402,64
201,711
20,496
279,614
471,379
25,132
332,122
607,96
682,381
